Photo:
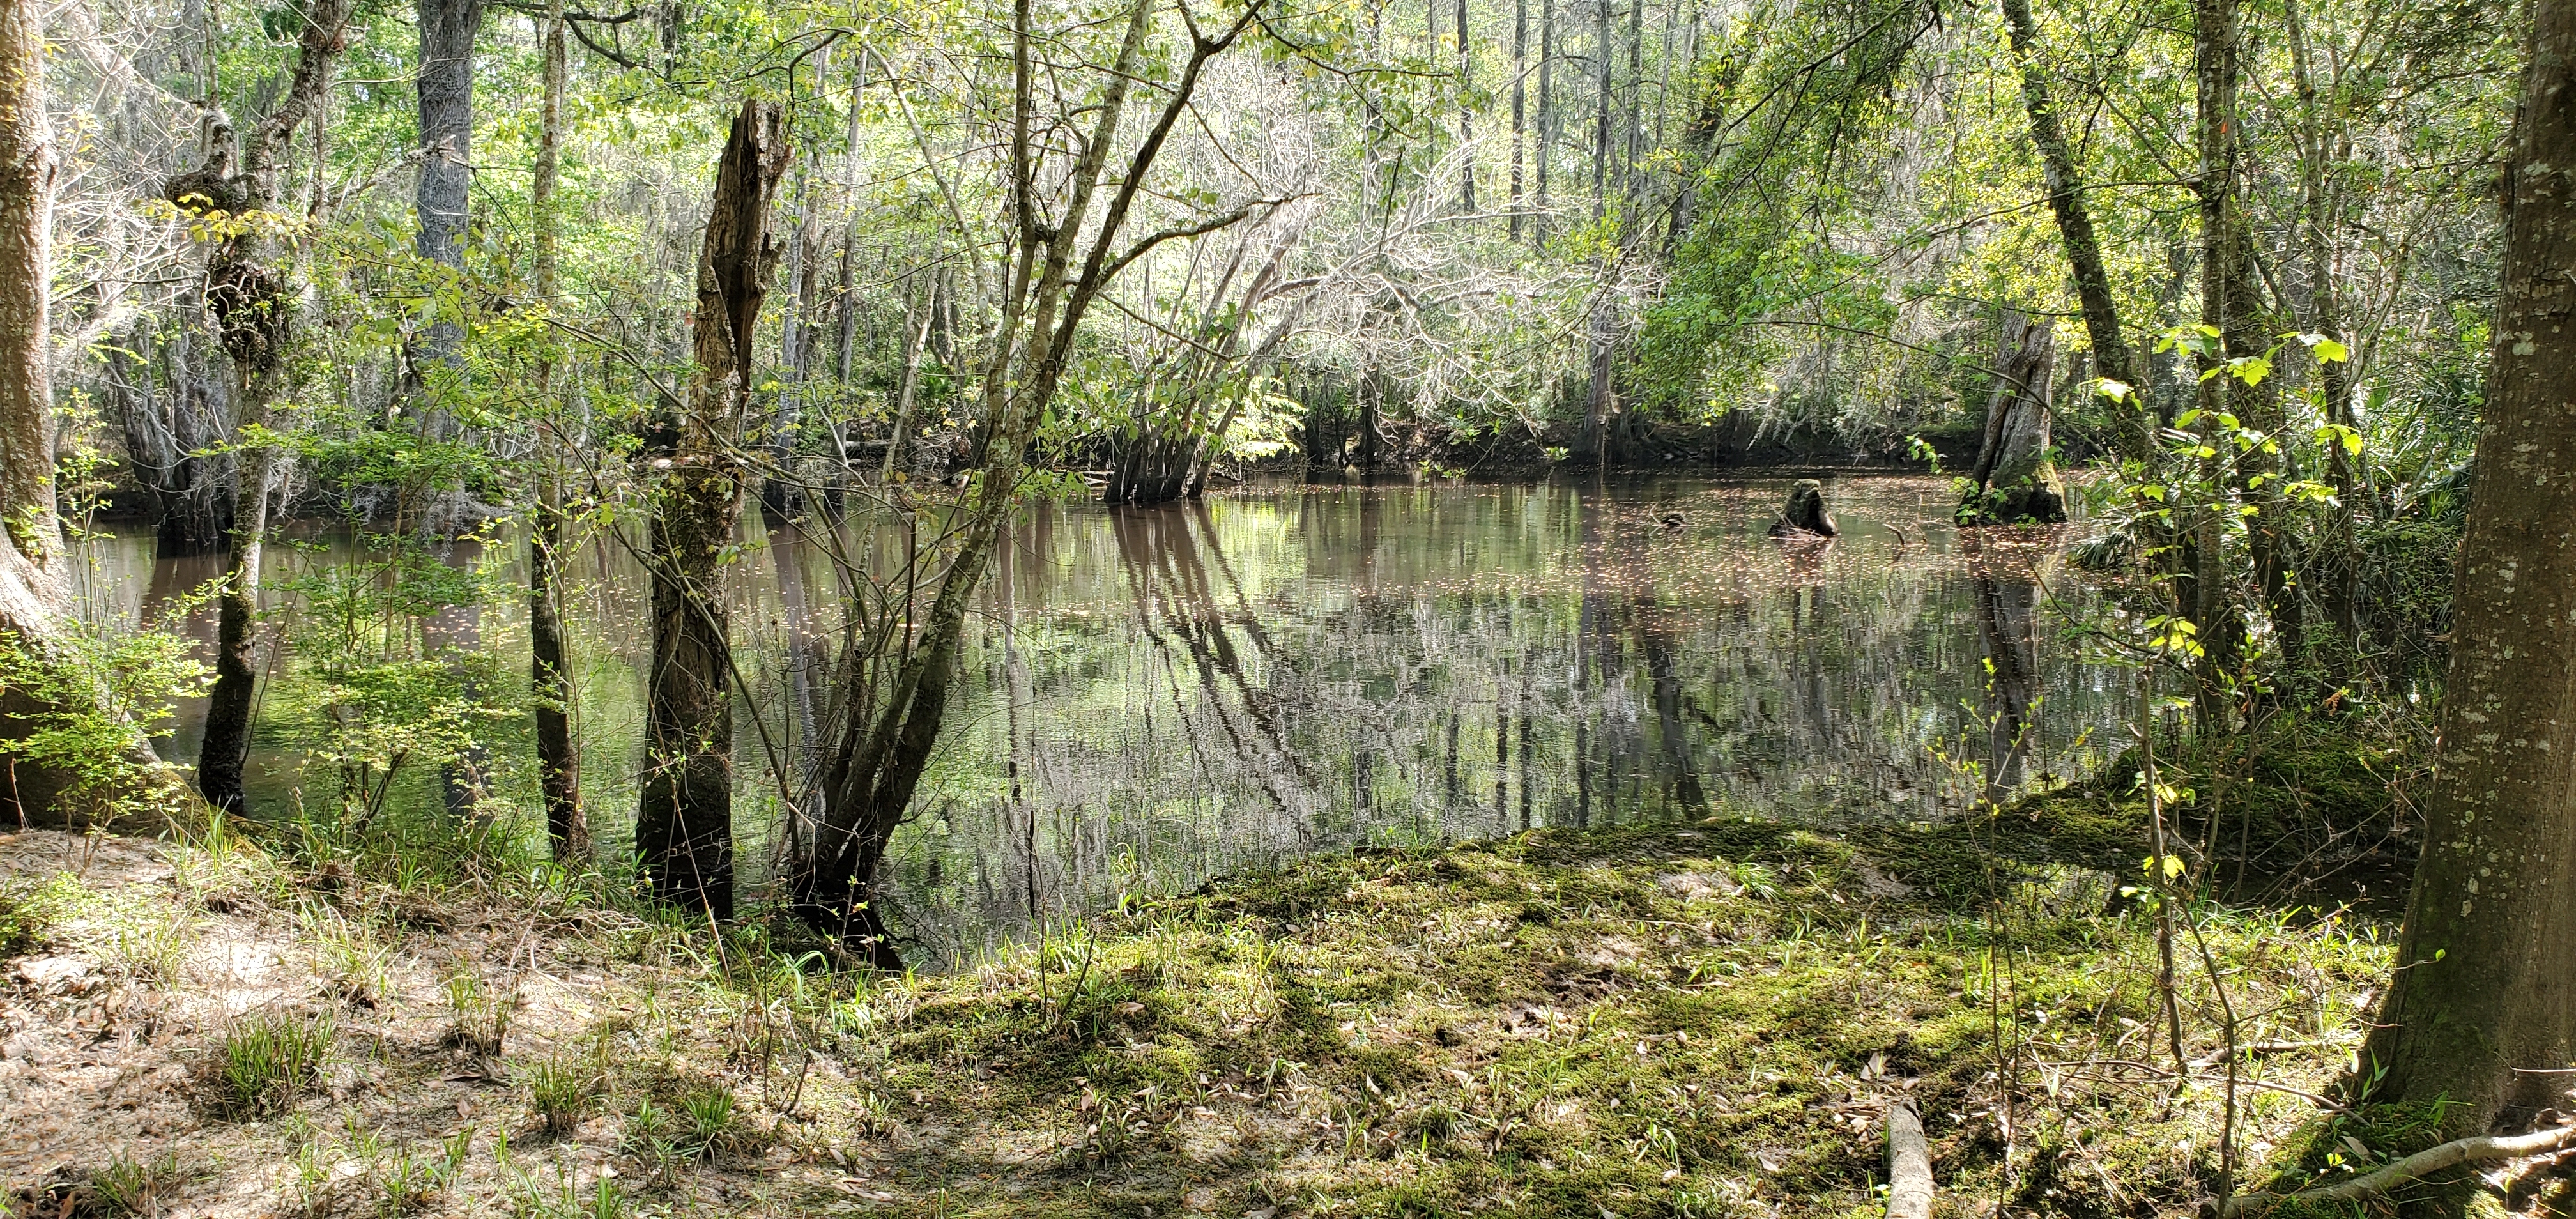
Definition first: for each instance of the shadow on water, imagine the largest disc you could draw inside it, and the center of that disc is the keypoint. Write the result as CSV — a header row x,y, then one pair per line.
x,y
1154,696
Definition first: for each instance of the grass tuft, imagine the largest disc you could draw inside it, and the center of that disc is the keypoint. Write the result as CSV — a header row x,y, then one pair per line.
x,y
478,1016
264,1062
563,1091
139,1187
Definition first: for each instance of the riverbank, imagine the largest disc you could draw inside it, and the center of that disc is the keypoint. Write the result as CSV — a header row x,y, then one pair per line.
x,y
1700,1019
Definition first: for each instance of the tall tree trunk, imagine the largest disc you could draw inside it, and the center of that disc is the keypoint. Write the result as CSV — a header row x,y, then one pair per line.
x,y
684,827
1546,142
2340,582
2211,606
558,750
2483,1009
443,199
1594,445
31,548
1634,155
1466,116
1520,98
252,292
2112,357
1601,51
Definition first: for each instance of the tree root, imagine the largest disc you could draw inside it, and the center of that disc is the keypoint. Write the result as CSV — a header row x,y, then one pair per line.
x,y
2422,1163
1909,1164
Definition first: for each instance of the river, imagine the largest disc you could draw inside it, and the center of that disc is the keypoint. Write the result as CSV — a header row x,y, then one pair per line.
x,y
1152,697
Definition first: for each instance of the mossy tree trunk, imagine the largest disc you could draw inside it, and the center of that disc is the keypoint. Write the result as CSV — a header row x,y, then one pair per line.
x,y
684,827
2485,994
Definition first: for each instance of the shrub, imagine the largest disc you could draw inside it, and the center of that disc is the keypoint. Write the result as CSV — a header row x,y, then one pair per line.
x,y
29,909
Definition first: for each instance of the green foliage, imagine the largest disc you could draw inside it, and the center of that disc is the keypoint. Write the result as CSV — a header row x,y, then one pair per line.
x,y
382,699
31,908
709,1123
95,694
478,1017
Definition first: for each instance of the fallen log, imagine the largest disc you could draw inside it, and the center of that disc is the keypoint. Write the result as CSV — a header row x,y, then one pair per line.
x,y
1909,1164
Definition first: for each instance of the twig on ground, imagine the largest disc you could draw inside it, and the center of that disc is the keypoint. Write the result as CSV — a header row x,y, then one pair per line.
x,y
2433,1160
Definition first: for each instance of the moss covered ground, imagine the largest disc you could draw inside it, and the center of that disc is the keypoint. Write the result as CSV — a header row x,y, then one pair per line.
x,y
1684,1020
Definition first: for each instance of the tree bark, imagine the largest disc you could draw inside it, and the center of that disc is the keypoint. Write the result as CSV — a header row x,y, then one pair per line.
x,y
2112,356
443,198
2485,992
2016,479
684,827
1466,117
1546,141
31,548
558,750
1520,98
1601,50
2211,605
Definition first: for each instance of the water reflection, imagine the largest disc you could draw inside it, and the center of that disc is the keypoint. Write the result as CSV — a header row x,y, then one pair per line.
x,y
1153,696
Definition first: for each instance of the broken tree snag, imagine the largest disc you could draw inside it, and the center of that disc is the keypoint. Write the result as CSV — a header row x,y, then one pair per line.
x,y
2415,1167
1909,1164
1804,515
684,824
2016,471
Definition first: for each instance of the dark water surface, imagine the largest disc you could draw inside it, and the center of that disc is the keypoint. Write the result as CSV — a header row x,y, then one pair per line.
x,y
1156,696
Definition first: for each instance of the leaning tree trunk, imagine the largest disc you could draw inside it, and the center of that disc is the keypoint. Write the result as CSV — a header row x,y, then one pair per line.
x,y
2483,1010
251,298
684,829
2016,478
2111,353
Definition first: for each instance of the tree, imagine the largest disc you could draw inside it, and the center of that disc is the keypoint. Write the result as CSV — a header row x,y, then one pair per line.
x,y
2483,1009
443,198
1058,261
558,752
252,285
2111,353
30,537
684,827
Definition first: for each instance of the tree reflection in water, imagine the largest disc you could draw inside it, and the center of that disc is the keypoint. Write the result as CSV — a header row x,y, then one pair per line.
x,y
1151,697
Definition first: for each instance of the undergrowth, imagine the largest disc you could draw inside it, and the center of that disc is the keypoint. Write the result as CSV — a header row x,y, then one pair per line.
x,y
1702,1019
